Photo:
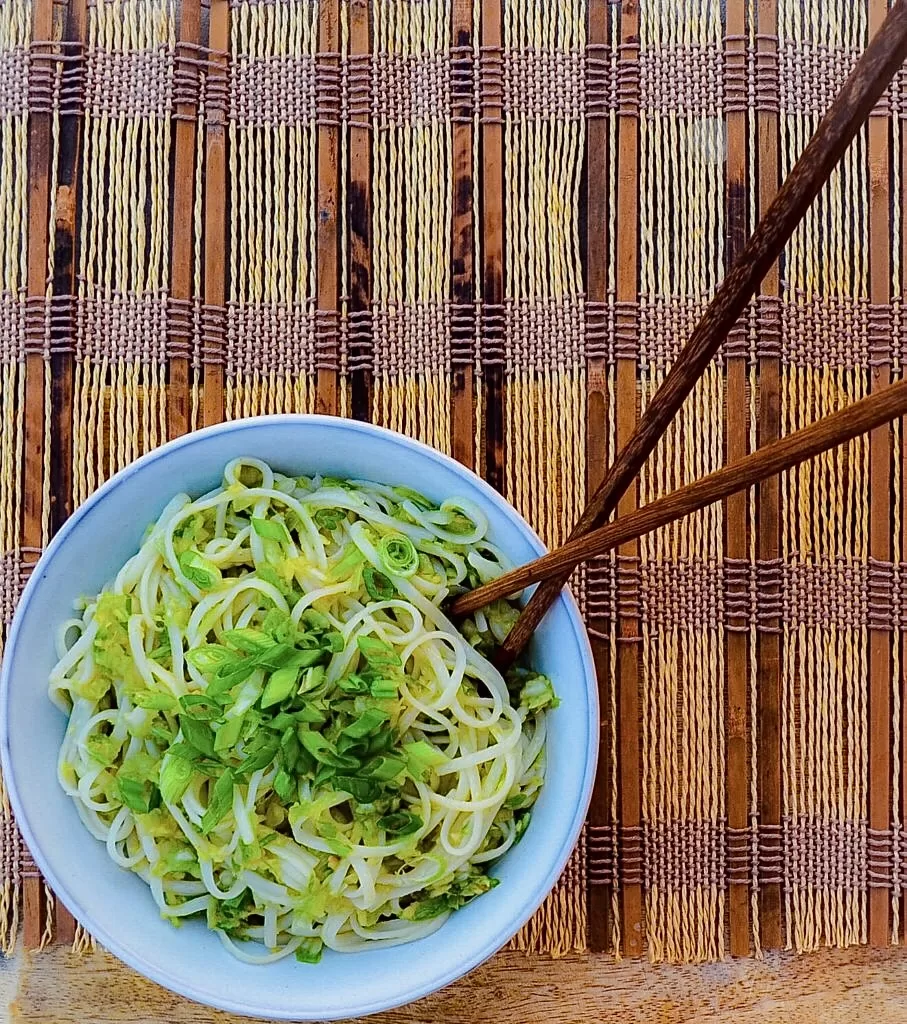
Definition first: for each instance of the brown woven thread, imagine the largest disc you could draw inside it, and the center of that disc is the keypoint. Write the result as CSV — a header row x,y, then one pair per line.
x,y
632,859
215,89
599,331
213,331
129,83
14,319
200,77
739,856
529,83
737,73
122,325
601,80
11,583
539,333
326,339
879,320
491,84
278,338
327,88
10,849
626,330
359,341
757,334
664,325
187,68
682,79
768,594
492,321
767,327
16,862
62,317
767,851
356,89
764,91
883,858
810,75
464,334
825,593
894,100
738,594
628,84
881,595
391,326
15,82
464,84
601,859
56,77
802,853
601,592
181,329
626,581
37,326
686,592
409,90
826,331
282,90
737,343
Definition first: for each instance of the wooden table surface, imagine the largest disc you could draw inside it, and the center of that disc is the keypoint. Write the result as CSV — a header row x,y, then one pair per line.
x,y
831,987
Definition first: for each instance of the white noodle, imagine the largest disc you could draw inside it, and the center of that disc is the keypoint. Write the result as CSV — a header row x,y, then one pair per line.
x,y
326,868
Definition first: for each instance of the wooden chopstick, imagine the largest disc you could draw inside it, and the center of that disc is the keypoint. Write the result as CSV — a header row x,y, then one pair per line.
x,y
825,433
852,106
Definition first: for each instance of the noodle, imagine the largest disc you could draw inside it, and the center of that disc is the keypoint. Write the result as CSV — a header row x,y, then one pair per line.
x,y
274,724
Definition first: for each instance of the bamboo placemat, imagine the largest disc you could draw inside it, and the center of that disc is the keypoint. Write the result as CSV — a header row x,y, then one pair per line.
x,y
491,225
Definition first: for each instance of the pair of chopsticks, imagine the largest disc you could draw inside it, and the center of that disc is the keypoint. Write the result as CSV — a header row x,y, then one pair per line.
x,y
849,111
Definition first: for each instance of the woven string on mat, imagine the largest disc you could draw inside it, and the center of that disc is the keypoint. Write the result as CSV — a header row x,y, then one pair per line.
x,y
492,227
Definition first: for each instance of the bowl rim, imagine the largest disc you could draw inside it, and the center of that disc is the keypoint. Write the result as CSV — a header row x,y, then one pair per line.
x,y
163,976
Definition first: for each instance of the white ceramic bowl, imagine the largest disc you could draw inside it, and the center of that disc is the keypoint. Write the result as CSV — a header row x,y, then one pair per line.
x,y
113,904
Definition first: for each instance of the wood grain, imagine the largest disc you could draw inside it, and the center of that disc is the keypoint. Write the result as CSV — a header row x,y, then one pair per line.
x,y
851,107
181,237
493,252
828,432
360,216
215,230
900,767
736,514
462,423
880,502
33,534
627,284
327,237
857,986
598,159
69,26
768,541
